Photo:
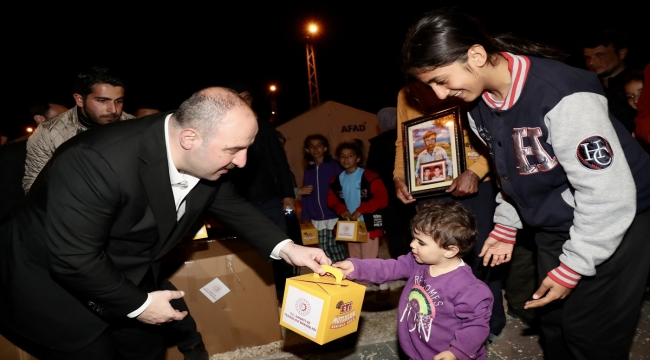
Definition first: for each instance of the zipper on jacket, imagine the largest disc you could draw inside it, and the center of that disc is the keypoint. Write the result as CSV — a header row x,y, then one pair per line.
x,y
318,193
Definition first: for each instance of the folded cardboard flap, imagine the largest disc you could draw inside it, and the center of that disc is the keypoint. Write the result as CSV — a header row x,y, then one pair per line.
x,y
245,316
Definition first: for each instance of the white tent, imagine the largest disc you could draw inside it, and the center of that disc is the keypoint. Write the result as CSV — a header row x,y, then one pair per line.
x,y
337,122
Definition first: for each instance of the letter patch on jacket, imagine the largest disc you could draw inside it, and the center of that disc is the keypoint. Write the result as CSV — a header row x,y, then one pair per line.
x,y
595,153
543,161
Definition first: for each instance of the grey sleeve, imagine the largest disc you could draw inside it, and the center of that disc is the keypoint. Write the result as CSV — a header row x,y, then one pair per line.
x,y
39,151
605,196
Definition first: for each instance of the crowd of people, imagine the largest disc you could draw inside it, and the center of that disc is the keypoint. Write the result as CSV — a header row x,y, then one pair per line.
x,y
555,209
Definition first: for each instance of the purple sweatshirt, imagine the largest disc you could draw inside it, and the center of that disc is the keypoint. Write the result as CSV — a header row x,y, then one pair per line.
x,y
447,312
314,206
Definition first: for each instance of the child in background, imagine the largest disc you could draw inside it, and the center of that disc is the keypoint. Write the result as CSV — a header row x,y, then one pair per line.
x,y
358,194
633,87
315,186
444,310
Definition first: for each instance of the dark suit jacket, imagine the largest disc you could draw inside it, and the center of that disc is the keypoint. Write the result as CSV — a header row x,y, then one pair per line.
x,y
99,214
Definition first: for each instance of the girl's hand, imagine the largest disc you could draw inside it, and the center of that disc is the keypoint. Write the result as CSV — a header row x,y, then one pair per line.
x,y
346,215
355,216
305,190
346,267
445,355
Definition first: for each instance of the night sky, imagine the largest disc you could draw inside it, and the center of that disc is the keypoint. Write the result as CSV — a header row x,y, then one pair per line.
x,y
167,54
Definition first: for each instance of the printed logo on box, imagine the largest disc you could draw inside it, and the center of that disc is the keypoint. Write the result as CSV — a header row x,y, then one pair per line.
x,y
346,230
346,317
306,312
215,290
302,307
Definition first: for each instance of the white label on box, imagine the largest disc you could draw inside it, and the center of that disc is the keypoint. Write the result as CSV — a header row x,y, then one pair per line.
x,y
215,290
345,230
302,311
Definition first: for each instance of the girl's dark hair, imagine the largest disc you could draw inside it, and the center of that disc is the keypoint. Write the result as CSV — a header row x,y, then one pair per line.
x,y
442,37
351,145
327,156
448,223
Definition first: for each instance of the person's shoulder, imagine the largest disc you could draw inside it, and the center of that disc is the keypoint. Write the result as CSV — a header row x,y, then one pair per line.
x,y
563,78
126,116
369,174
63,119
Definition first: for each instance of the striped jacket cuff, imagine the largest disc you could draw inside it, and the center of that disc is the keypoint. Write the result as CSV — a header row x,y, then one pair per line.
x,y
504,233
564,276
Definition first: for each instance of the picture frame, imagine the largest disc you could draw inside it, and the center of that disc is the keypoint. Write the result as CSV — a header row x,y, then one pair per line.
x,y
433,141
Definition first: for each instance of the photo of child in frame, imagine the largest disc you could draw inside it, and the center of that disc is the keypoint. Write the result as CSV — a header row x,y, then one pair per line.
x,y
433,172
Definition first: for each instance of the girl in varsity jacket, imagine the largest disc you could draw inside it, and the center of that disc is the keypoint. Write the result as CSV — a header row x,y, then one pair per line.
x,y
565,165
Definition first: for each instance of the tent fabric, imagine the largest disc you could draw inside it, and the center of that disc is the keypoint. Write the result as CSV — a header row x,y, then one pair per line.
x,y
337,122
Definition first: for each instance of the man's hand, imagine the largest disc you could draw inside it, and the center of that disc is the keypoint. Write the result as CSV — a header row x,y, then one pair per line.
x,y
445,355
499,251
305,190
288,202
346,267
160,311
311,257
355,216
346,215
465,184
553,291
403,191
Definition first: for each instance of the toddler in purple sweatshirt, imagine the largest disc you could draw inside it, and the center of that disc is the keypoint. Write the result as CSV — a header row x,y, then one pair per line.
x,y
444,310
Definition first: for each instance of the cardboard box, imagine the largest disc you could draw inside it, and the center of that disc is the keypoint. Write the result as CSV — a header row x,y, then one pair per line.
x,y
352,231
322,308
309,234
9,351
230,292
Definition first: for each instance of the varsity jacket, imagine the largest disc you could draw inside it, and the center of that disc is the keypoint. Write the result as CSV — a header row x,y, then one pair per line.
x,y
563,162
47,137
374,198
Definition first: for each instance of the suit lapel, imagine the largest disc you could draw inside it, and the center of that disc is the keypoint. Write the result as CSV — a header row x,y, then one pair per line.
x,y
155,178
195,204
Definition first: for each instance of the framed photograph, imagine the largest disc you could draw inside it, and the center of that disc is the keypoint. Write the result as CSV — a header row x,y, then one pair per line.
x,y
433,151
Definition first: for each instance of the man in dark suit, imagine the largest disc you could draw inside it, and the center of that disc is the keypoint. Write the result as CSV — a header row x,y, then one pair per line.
x,y
76,263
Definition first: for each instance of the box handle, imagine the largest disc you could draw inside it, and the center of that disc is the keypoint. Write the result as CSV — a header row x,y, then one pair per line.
x,y
338,274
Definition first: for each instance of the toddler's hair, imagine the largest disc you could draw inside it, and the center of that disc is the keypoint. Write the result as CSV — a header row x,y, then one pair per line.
x,y
326,143
448,223
351,145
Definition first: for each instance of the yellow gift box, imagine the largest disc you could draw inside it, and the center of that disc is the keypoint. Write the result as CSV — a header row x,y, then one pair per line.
x,y
322,309
309,234
352,231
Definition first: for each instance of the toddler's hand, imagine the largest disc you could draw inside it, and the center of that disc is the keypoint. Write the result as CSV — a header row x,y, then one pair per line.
x,y
346,267
445,355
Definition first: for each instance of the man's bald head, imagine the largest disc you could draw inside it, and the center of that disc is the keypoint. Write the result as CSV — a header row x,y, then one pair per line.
x,y
206,109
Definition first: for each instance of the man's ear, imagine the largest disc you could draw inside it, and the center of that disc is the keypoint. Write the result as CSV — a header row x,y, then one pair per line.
x,y
189,138
39,119
78,99
451,251
477,56
622,53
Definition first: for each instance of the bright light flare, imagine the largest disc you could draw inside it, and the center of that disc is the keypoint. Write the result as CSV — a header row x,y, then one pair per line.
x,y
272,87
313,28
29,129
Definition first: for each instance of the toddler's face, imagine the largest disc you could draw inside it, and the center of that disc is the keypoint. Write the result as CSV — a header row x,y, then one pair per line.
x,y
425,250
633,92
